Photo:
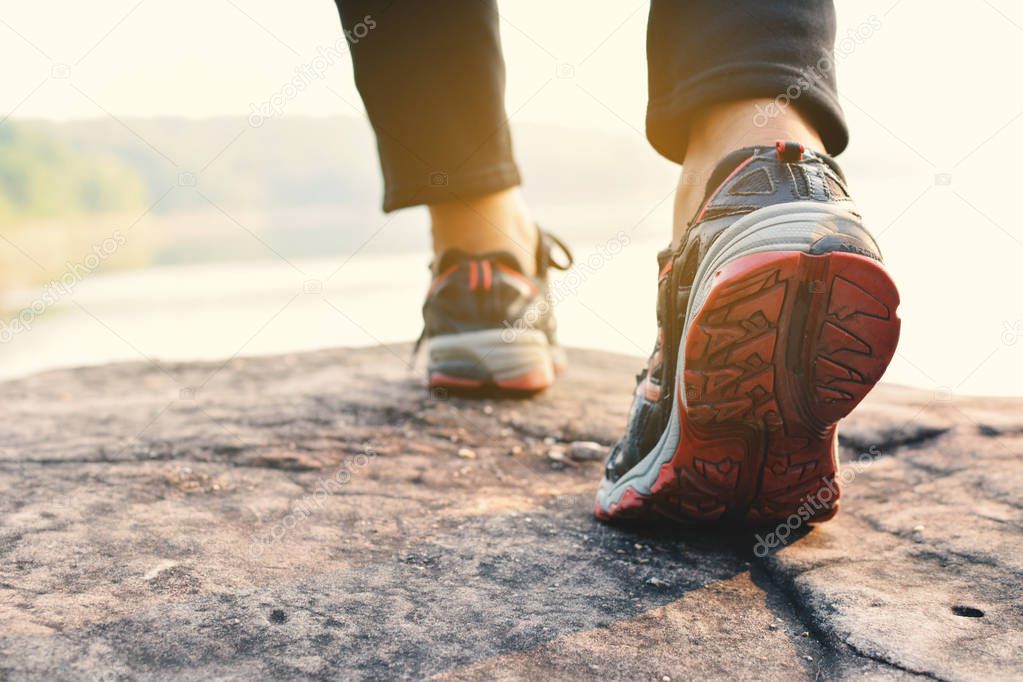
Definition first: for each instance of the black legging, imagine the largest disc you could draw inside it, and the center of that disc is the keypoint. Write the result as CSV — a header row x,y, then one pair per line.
x,y
431,75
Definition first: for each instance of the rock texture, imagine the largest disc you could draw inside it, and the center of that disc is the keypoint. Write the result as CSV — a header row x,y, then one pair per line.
x,y
324,516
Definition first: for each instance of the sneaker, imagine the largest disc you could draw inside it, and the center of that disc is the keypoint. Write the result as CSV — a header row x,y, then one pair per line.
x,y
489,327
776,317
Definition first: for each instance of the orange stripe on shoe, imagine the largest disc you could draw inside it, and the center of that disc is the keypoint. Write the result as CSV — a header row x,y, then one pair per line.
x,y
488,275
473,275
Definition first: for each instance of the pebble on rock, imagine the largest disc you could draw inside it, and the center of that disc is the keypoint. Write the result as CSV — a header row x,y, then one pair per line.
x,y
556,455
586,451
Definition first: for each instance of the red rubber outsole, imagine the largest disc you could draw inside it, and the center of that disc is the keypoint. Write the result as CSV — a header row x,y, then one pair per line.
x,y
785,346
532,382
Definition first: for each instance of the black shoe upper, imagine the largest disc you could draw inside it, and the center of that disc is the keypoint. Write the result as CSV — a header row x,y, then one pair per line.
x,y
473,292
744,181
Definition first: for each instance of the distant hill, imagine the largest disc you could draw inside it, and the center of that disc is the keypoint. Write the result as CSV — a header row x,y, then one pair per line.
x,y
296,161
43,176
308,186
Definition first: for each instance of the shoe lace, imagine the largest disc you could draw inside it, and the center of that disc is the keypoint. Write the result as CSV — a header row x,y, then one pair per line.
x,y
546,241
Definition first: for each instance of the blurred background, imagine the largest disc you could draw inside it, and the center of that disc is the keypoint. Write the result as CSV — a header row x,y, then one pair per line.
x,y
166,192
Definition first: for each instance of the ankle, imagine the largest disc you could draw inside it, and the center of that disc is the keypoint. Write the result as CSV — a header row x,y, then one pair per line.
x,y
721,129
494,222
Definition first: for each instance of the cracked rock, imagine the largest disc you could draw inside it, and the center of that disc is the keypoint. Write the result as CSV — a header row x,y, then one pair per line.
x,y
311,521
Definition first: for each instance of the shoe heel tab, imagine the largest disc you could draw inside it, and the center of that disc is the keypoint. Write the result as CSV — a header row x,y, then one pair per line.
x,y
788,151
795,152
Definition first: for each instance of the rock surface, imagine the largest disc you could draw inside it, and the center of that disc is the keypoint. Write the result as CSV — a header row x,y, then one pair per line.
x,y
322,515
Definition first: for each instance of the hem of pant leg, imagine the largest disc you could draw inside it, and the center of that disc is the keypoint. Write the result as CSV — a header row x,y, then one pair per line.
x,y
667,120
505,176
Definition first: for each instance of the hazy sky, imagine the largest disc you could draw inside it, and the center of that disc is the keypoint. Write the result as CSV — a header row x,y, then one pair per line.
x,y
932,97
